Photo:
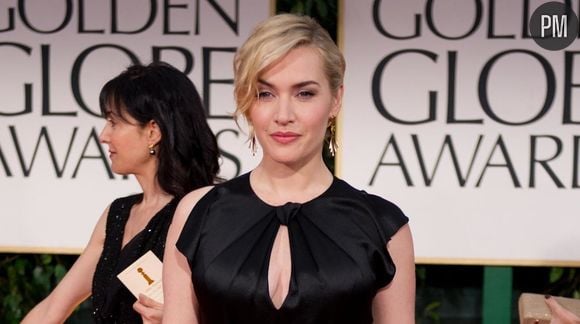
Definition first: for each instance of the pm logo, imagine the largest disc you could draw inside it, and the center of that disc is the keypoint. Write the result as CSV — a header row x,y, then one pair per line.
x,y
554,26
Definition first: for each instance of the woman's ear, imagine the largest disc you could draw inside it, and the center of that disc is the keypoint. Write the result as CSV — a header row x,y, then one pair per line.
x,y
153,133
337,101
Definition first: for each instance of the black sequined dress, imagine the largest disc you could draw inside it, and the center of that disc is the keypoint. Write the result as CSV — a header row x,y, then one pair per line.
x,y
112,301
337,248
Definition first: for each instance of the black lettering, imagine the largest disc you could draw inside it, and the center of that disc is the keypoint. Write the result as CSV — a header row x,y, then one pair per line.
x,y
400,162
227,155
527,17
43,134
508,163
376,89
543,163
447,143
45,56
568,85
569,4
207,81
167,21
10,21
526,20
157,50
26,22
81,25
451,73
5,164
381,29
232,23
115,17
431,21
491,23
27,86
550,87
576,163
76,72
94,138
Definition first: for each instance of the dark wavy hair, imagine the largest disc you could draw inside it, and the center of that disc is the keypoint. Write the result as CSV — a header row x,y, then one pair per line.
x,y
188,152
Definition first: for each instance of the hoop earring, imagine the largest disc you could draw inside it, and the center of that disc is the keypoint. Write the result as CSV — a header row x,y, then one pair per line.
x,y
151,150
332,145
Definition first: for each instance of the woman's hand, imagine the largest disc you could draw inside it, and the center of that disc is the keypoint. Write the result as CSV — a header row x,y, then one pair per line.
x,y
151,311
560,315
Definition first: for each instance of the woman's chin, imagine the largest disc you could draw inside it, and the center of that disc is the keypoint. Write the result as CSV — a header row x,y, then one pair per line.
x,y
120,172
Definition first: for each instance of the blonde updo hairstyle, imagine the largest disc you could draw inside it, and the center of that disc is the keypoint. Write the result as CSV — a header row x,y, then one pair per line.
x,y
269,43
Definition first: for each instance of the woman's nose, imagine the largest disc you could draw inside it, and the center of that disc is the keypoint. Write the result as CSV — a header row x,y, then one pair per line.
x,y
285,111
104,136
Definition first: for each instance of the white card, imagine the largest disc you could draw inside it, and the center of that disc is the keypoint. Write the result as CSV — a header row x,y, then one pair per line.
x,y
144,277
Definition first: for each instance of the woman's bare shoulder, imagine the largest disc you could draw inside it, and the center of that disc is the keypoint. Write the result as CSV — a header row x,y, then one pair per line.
x,y
188,201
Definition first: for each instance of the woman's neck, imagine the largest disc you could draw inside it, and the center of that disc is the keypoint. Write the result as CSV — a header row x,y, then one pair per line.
x,y
278,183
153,194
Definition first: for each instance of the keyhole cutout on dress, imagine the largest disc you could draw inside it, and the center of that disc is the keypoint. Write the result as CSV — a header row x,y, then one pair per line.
x,y
280,268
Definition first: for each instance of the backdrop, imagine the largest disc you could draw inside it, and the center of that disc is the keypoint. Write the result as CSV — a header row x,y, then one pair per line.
x,y
55,177
451,111
455,114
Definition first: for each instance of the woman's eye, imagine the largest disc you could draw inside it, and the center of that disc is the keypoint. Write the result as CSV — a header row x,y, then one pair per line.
x,y
305,94
111,121
264,95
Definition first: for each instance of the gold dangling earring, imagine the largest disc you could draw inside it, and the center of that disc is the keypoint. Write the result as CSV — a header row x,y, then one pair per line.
x,y
332,146
151,150
252,140
252,145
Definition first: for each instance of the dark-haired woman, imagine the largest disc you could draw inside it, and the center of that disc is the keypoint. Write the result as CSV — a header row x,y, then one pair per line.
x,y
156,130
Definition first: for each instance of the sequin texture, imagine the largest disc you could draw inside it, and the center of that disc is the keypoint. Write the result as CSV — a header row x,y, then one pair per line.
x,y
112,302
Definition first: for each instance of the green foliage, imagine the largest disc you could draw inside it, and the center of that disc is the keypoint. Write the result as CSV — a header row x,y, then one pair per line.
x,y
26,279
427,312
431,312
324,11
564,282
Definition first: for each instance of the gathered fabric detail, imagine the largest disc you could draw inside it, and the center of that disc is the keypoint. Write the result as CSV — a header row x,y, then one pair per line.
x,y
337,245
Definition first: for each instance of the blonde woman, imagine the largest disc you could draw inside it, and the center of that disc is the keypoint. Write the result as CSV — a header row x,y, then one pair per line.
x,y
288,242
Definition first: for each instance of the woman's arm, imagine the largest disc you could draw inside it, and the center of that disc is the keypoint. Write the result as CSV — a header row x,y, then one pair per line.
x,y
178,292
395,303
76,285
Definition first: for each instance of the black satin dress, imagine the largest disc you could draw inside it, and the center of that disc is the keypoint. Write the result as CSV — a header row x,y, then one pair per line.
x,y
337,246
112,301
